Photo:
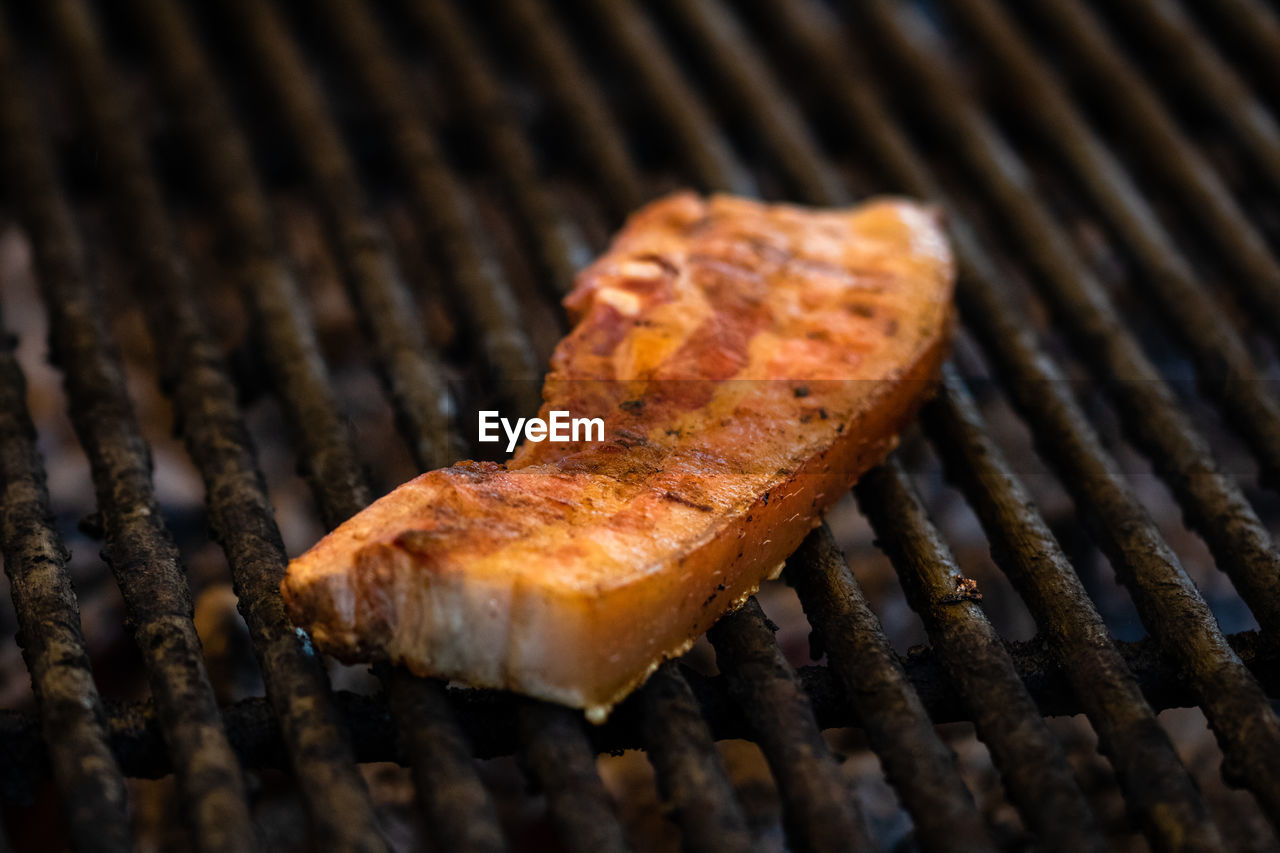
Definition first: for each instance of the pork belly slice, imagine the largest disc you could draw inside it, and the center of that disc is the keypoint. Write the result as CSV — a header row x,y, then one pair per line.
x,y
749,360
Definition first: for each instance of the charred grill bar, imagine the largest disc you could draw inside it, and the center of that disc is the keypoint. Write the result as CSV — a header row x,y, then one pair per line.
x,y
484,718
320,735
1149,770
139,547
1029,758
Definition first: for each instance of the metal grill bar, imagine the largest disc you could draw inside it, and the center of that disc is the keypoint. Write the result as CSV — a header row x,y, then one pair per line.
x,y
494,120
748,79
1233,701
1257,28
916,761
409,370
139,547
192,372
1035,772
1150,412
690,774
699,142
281,327
1154,781
575,793
792,739
779,719
915,790
1207,74
818,807
601,143
1146,763
568,801
486,717
93,793
557,754
459,808
1226,369
442,207
752,88
1121,88
1112,511
452,794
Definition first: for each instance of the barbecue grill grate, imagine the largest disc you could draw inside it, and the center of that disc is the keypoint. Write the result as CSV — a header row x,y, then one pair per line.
x,y
1061,106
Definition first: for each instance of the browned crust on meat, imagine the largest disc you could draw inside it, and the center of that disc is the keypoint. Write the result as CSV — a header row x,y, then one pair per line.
x,y
552,574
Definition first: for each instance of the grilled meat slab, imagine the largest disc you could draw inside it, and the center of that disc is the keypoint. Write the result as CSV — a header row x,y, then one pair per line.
x,y
749,360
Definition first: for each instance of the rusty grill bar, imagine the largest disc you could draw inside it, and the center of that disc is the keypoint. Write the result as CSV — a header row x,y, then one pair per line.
x,y
785,75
